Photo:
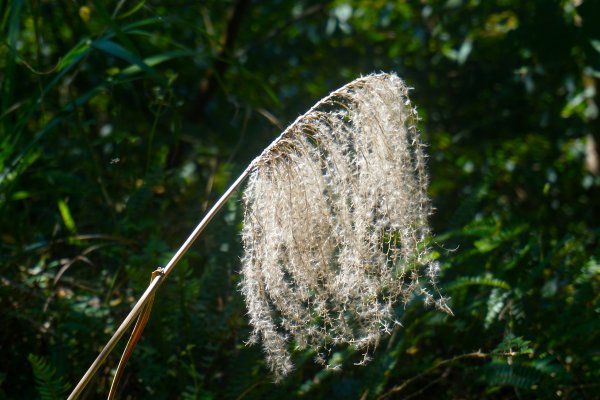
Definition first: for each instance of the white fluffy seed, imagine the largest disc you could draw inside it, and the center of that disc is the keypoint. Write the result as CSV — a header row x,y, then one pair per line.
x,y
336,222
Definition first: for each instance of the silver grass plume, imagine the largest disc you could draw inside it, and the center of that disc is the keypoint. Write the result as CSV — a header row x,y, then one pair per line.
x,y
335,224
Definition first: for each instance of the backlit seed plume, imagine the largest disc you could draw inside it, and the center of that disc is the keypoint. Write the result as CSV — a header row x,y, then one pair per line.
x,y
336,223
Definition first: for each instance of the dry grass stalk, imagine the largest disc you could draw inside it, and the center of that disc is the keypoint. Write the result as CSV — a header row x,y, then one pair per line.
x,y
336,224
335,227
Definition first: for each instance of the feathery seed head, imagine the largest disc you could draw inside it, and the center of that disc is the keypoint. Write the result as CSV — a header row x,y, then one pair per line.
x,y
335,223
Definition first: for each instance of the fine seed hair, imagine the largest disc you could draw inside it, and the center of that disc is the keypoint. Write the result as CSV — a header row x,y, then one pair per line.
x,y
336,225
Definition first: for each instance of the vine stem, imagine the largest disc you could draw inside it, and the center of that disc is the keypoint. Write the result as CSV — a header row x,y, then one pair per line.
x,y
155,284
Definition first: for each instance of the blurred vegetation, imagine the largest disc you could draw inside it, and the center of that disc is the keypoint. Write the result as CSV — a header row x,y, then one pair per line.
x,y
122,121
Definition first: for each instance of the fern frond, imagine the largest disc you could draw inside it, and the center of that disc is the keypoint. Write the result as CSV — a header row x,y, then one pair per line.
x,y
514,344
477,281
495,304
516,375
49,385
499,237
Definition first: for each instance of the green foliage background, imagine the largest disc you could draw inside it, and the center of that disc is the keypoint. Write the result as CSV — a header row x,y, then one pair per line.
x,y
122,121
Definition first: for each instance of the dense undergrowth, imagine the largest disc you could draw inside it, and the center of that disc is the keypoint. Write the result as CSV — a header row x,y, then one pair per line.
x,y
121,122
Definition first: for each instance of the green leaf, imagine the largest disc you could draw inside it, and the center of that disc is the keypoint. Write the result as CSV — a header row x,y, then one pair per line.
x,y
155,60
75,54
116,29
133,10
462,54
514,344
143,22
67,218
498,238
464,51
121,52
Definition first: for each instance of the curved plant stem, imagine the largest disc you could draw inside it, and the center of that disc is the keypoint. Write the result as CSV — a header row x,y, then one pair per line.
x,y
274,150
136,334
154,284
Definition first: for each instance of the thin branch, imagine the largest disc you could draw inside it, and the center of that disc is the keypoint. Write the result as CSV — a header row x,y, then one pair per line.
x,y
429,384
138,329
477,354
403,385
